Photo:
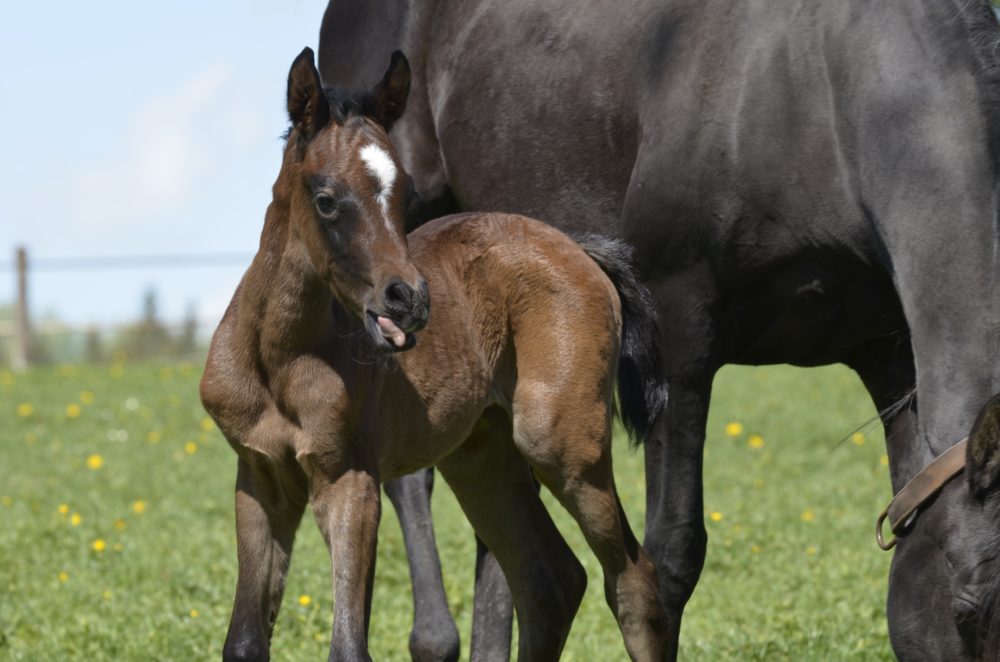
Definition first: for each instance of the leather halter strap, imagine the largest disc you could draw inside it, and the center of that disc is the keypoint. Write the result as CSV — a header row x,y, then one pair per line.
x,y
920,488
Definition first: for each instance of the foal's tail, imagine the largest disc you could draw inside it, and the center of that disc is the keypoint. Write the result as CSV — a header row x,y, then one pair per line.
x,y
642,384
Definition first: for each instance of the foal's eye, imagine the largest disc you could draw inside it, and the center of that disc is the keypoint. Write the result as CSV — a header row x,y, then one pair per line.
x,y
326,206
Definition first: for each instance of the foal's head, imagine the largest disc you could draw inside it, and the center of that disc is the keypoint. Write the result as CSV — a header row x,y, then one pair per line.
x,y
346,195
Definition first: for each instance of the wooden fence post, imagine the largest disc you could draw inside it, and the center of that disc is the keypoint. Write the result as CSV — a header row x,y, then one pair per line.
x,y
22,328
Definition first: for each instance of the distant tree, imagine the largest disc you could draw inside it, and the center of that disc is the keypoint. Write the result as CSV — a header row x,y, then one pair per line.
x,y
92,350
148,337
187,342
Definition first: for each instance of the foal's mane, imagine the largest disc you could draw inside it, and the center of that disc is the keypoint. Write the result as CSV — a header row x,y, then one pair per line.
x,y
344,104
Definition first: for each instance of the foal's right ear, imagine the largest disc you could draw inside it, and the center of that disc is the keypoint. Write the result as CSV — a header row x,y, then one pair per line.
x,y
390,94
983,462
307,105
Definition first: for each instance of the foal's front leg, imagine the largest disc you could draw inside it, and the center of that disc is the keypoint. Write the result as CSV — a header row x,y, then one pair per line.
x,y
347,506
268,511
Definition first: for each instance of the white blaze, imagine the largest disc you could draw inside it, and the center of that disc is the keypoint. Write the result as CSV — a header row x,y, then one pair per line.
x,y
381,167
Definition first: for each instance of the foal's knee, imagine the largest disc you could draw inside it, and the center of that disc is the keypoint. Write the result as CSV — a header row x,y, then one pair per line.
x,y
555,440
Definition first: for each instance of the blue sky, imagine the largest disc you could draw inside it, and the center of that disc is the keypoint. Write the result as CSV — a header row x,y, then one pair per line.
x,y
136,128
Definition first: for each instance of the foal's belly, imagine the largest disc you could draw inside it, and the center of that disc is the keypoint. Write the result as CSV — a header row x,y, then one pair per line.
x,y
419,438
425,414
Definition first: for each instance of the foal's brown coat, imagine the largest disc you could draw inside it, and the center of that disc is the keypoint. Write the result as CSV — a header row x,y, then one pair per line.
x,y
515,369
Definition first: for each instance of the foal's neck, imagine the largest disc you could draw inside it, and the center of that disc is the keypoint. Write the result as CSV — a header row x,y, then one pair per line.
x,y
284,303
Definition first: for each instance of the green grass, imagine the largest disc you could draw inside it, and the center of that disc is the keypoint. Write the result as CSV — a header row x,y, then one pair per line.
x,y
793,571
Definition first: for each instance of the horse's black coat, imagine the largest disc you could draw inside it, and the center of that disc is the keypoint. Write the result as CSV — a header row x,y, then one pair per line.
x,y
804,182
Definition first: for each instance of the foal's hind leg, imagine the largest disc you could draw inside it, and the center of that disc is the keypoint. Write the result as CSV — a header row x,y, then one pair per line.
x,y
568,443
494,487
434,635
268,511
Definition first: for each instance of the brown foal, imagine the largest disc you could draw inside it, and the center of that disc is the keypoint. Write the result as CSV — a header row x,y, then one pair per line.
x,y
316,378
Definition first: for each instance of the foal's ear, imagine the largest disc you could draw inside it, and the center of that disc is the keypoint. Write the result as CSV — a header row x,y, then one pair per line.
x,y
390,94
983,462
307,105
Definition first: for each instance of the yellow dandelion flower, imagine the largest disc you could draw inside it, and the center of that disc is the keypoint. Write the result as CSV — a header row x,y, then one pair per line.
x,y
25,409
139,507
166,373
119,524
194,613
319,636
755,549
811,551
755,441
95,462
190,448
6,500
884,460
154,436
86,397
858,438
72,410
715,516
75,519
207,424
63,508
305,600
98,545
116,370
63,576
734,429
807,515
106,594
758,482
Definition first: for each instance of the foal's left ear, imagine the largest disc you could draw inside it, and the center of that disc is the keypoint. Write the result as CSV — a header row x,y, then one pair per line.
x,y
307,105
983,462
389,96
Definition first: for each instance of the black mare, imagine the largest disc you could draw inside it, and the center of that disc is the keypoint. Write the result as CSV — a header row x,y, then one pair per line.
x,y
805,182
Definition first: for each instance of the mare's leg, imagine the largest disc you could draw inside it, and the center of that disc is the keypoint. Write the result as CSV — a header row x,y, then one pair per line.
x,y
493,610
675,527
346,501
493,484
434,635
269,505
886,368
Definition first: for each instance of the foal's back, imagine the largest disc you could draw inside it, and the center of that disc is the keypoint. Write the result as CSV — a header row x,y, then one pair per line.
x,y
519,311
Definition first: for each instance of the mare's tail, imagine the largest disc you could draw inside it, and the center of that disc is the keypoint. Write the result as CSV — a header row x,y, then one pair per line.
x,y
642,384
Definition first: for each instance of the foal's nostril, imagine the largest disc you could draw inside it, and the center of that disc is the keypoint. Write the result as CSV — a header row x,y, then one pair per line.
x,y
398,294
425,293
407,306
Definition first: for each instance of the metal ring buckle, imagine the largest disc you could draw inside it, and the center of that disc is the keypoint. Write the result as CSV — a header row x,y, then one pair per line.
x,y
886,546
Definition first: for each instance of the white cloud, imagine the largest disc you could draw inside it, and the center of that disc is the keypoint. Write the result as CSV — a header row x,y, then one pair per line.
x,y
173,144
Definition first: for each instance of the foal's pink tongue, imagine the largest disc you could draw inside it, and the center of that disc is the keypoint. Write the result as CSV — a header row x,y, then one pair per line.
x,y
391,331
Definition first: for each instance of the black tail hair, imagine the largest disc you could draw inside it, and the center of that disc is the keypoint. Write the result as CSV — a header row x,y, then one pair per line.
x,y
642,384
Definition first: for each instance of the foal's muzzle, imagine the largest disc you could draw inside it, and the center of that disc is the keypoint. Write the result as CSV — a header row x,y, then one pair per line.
x,y
403,310
407,306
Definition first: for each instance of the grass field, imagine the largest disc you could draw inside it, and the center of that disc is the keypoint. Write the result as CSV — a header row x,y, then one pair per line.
x,y
117,538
